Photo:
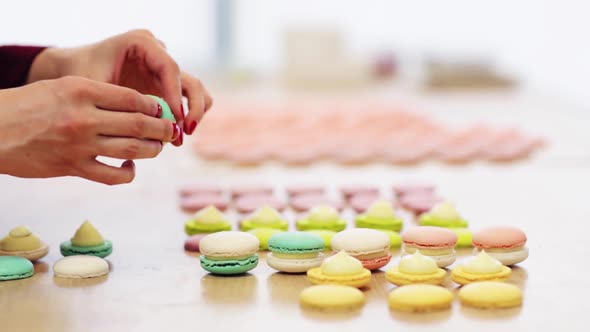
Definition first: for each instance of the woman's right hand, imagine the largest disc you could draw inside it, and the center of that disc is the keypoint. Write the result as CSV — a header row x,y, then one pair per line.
x,y
58,127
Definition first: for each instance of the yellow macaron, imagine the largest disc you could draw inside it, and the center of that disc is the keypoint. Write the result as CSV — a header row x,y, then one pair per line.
x,y
332,297
416,269
420,298
482,267
490,294
340,269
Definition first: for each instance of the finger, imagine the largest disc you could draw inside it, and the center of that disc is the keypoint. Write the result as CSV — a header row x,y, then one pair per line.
x,y
167,72
128,148
208,100
118,124
96,171
161,43
116,98
194,91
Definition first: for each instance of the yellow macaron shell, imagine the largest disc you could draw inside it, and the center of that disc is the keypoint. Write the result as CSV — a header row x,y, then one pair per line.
x,y
87,236
482,267
416,269
420,297
21,239
340,269
381,209
324,214
445,210
209,215
332,297
490,294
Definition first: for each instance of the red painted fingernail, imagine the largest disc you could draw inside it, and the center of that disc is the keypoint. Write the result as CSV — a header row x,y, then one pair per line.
x,y
175,131
192,127
182,110
180,139
159,111
128,163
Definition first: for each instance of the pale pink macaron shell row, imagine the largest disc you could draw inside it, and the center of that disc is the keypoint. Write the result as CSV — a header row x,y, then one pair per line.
x,y
430,237
499,237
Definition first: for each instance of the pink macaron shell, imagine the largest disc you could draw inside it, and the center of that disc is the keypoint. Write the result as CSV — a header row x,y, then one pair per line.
x,y
295,190
361,202
251,190
499,237
250,203
376,263
351,190
412,188
430,237
197,202
303,203
200,189
419,203
192,243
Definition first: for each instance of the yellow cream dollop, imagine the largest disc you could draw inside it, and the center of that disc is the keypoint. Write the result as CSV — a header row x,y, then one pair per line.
x,y
266,215
483,264
324,214
21,239
417,264
445,211
341,264
209,215
87,236
381,209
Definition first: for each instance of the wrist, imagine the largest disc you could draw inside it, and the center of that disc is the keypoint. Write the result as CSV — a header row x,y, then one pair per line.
x,y
48,65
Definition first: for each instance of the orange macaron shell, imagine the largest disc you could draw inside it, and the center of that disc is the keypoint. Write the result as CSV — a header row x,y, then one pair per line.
x,y
504,237
376,263
430,237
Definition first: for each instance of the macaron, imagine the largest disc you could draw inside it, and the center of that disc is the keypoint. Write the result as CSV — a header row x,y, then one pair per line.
x,y
322,217
264,235
504,243
351,190
207,220
192,242
265,217
482,267
198,202
295,252
443,214
435,242
380,215
80,267
395,238
420,298
369,246
400,190
304,203
361,203
324,234
490,295
332,298
15,267
250,203
464,237
340,269
229,252
293,191
416,269
87,241
166,110
22,242
418,203
200,189
251,190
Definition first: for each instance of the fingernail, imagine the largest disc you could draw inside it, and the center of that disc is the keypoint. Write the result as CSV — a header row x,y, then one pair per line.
x,y
159,111
128,164
192,127
182,110
175,131
180,139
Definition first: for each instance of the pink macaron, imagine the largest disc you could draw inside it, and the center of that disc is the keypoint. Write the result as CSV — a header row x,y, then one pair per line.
x,y
250,203
200,189
192,243
251,190
360,203
436,242
413,188
505,243
352,190
294,190
419,203
195,203
304,203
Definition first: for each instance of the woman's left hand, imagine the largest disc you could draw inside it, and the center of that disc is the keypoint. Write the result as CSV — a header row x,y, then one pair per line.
x,y
136,60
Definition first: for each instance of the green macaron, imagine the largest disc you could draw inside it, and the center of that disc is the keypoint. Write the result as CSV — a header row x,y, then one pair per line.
x,y
15,267
102,250
443,215
380,215
296,243
322,217
394,237
264,235
464,237
229,267
326,235
229,252
166,110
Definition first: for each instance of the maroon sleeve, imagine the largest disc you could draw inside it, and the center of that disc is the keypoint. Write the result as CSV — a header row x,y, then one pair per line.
x,y
15,63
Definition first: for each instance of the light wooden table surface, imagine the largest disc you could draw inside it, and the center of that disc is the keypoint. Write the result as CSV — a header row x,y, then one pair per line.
x,y
155,286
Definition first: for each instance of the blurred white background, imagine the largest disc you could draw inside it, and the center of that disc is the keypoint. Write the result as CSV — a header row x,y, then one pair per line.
x,y
544,42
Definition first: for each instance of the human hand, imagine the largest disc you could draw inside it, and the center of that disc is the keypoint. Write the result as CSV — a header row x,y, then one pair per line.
x,y
58,127
136,60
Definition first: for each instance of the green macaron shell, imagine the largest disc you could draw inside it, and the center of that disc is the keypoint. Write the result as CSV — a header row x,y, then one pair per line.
x,y
326,235
264,235
166,110
431,220
102,251
394,237
230,266
191,227
15,267
307,225
392,224
247,225
296,243
464,237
